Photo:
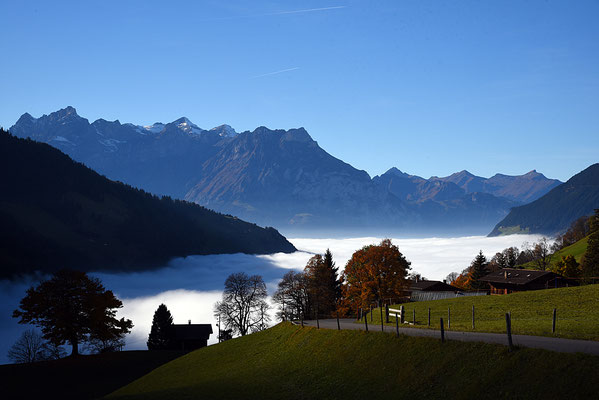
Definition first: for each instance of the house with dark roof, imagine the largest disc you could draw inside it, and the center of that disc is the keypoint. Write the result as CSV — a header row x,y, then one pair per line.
x,y
509,280
190,336
431,286
423,290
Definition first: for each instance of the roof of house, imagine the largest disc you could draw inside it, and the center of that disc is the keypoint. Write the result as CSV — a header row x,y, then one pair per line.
x,y
431,286
516,276
191,331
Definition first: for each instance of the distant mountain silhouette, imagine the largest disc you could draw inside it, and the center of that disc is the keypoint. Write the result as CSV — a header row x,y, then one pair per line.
x,y
444,203
277,177
555,211
519,188
57,213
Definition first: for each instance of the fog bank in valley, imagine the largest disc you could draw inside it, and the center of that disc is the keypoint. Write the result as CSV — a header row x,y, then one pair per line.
x,y
191,285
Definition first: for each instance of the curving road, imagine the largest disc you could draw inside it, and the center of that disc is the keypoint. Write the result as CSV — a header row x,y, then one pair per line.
x,y
538,342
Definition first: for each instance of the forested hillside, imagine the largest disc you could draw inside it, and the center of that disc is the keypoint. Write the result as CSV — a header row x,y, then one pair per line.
x,y
56,213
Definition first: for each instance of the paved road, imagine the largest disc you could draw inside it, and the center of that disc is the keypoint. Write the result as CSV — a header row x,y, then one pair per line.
x,y
539,342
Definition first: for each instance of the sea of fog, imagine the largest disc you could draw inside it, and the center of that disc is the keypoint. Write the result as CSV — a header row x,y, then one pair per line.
x,y
190,286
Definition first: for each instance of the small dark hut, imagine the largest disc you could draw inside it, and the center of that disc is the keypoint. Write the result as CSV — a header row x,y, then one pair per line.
x,y
509,280
190,336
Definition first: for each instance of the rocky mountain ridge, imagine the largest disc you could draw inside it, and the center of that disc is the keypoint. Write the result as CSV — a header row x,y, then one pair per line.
x,y
281,178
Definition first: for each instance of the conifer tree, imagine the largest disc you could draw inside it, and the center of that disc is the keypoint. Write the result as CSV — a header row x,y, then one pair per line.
x,y
333,282
162,323
478,269
324,287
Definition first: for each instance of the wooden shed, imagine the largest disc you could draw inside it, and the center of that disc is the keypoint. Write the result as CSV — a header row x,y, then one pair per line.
x,y
190,336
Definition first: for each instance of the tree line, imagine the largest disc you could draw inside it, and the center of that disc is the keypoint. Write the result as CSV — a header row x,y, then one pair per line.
x,y
374,273
540,255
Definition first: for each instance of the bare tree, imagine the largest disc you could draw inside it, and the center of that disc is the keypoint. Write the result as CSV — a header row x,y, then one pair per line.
x,y
109,345
243,307
452,277
292,296
31,347
541,254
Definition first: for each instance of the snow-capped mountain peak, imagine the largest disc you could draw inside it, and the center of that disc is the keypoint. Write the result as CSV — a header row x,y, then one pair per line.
x,y
187,126
224,131
156,127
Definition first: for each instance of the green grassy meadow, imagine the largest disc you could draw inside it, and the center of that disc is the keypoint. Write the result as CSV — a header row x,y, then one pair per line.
x,y
576,249
531,312
290,362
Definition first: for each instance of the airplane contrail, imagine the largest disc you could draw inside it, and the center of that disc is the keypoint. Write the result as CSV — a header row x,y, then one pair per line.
x,y
304,11
276,72
307,10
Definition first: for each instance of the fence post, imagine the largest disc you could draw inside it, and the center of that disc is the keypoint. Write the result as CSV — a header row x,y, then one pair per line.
x,y
508,327
473,317
414,317
448,318
317,322
382,328
442,332
366,323
338,326
401,314
359,313
429,317
387,313
554,318
371,313
396,326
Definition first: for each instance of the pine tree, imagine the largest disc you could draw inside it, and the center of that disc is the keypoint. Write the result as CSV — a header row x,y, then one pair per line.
x,y
478,269
333,282
324,287
162,322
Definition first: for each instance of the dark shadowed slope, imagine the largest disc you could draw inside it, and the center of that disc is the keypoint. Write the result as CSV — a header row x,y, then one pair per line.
x,y
554,212
57,213
82,377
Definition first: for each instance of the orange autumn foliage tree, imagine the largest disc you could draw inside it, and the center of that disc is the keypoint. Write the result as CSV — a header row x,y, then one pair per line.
x,y
373,273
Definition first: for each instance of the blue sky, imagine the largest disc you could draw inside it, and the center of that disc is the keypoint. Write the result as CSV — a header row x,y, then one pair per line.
x,y
430,87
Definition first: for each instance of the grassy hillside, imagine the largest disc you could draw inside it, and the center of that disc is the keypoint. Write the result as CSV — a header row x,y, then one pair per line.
x,y
577,312
577,250
290,362
82,377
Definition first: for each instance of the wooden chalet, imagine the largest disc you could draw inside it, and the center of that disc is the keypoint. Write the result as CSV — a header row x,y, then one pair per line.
x,y
190,336
509,280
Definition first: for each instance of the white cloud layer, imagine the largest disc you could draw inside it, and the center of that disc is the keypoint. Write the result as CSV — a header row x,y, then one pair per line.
x,y
190,286
434,258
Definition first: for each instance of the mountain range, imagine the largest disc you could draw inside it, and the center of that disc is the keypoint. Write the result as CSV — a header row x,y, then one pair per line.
x,y
554,212
56,213
280,178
